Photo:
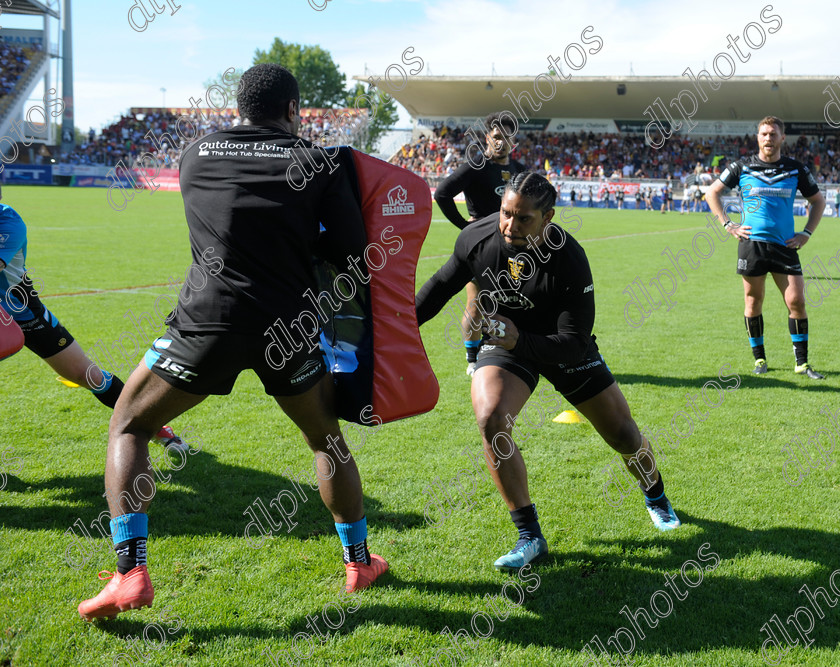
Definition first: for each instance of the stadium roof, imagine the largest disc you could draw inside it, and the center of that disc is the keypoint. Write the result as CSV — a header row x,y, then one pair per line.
x,y
32,7
749,98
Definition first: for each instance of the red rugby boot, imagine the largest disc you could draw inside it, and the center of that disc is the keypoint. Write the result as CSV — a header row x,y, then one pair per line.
x,y
361,576
132,590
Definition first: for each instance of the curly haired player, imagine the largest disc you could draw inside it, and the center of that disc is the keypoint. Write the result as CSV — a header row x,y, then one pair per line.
x,y
482,187
540,286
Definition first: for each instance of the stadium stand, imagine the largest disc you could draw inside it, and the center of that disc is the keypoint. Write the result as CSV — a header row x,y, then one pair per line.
x,y
436,153
13,63
126,138
604,161
604,156
584,156
17,66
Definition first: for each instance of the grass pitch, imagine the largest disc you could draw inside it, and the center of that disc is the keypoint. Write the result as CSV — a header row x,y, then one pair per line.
x,y
750,540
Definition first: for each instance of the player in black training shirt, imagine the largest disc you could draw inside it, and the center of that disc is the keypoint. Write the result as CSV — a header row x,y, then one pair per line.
x,y
249,200
482,181
767,241
538,304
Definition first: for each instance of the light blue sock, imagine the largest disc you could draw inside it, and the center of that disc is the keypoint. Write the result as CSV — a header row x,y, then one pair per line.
x,y
354,541
128,526
352,533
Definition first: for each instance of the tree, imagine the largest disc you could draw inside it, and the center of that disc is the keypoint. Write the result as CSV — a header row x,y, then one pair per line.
x,y
383,112
321,86
321,83
228,82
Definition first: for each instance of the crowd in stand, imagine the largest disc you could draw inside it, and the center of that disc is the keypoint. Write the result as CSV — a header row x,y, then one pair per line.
x,y
13,62
434,155
596,157
437,153
328,128
126,139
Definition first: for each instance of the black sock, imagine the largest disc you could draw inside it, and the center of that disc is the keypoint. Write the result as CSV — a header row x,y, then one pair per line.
x,y
526,522
357,553
130,554
472,347
755,330
799,335
657,490
111,393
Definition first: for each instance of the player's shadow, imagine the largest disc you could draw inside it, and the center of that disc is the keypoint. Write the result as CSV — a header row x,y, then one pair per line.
x,y
726,609
205,497
579,595
14,484
749,381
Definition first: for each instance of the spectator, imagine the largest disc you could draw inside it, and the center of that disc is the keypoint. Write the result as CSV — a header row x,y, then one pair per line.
x,y
13,63
439,151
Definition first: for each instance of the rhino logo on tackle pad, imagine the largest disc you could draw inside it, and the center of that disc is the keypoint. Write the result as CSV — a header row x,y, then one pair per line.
x,y
397,202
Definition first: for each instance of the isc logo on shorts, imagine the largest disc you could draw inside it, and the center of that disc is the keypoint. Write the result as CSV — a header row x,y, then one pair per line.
x,y
176,370
742,264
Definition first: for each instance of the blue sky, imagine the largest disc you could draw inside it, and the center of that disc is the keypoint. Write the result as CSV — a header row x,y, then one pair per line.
x,y
117,67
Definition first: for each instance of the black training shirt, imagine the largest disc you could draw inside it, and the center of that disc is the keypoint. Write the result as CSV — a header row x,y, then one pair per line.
x,y
254,201
482,188
554,309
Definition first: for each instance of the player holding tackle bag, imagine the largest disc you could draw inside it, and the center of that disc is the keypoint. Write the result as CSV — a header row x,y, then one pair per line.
x,y
266,202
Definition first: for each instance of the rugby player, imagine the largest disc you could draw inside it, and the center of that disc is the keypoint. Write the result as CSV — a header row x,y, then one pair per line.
x,y
767,241
540,323
482,187
43,333
264,224
685,200
698,199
